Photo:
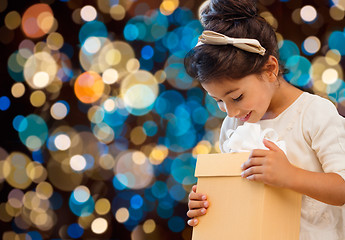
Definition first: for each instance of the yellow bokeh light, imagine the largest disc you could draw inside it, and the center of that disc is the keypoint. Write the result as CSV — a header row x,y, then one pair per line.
x,y
85,221
95,114
103,132
133,65
113,57
122,215
102,206
31,200
333,57
12,211
139,90
10,236
36,172
160,76
118,12
55,41
139,158
270,19
149,226
167,7
138,135
46,21
337,12
40,70
158,154
18,90
16,174
37,98
107,161
203,147
12,20
44,190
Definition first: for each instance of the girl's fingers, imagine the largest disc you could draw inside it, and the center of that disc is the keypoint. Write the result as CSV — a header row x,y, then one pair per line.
x,y
253,161
193,222
197,204
252,171
258,153
196,213
194,188
197,196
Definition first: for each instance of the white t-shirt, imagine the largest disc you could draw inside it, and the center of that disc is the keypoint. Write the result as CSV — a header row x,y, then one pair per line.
x,y
314,134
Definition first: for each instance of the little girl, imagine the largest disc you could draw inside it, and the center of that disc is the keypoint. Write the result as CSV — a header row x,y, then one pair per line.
x,y
236,62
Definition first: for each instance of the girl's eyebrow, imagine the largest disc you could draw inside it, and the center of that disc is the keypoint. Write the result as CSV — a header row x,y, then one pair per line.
x,y
228,92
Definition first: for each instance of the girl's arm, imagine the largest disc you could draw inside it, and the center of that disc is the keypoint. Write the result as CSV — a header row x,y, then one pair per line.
x,y
272,167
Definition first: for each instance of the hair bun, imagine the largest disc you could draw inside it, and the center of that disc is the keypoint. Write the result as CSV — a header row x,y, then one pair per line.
x,y
227,10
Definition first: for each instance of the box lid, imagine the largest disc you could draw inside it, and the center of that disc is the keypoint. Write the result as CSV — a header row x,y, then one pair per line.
x,y
226,164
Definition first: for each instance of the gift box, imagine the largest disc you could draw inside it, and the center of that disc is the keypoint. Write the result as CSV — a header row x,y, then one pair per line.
x,y
241,209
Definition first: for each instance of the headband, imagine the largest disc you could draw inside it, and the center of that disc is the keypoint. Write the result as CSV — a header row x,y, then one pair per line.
x,y
247,44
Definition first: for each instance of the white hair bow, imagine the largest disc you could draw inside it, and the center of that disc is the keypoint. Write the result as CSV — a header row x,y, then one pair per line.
x,y
247,44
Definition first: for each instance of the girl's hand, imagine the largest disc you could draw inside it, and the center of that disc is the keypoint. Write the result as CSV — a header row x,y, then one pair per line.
x,y
269,166
197,205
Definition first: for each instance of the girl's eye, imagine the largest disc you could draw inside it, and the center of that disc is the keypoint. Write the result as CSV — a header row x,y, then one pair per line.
x,y
238,99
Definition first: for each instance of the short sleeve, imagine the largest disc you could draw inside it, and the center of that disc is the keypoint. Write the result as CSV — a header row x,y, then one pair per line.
x,y
228,123
325,130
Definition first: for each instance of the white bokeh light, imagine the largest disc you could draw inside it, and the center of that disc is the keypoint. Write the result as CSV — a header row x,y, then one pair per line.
x,y
92,45
41,79
81,194
99,225
77,163
88,13
308,13
330,76
62,142
58,111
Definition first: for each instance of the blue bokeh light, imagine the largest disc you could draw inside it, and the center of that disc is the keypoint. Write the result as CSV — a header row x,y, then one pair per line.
x,y
299,68
75,230
336,41
92,29
147,52
137,201
4,103
176,224
20,123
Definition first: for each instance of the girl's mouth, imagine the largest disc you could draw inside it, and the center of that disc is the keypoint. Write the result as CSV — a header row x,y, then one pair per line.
x,y
245,118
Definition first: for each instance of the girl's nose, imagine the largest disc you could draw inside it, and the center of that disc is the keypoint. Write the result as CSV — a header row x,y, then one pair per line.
x,y
232,112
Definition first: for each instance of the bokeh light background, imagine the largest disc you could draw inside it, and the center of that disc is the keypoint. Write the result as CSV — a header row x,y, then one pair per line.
x,y
101,125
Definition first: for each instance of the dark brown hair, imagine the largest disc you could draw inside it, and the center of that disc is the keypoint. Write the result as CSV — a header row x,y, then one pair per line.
x,y
238,19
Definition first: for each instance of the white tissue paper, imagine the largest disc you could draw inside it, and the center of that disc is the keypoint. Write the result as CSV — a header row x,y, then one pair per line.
x,y
249,136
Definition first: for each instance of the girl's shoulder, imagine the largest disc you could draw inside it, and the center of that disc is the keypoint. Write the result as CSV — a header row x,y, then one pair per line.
x,y
315,105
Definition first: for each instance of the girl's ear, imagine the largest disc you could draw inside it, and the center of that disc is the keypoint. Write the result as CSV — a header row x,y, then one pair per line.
x,y
272,68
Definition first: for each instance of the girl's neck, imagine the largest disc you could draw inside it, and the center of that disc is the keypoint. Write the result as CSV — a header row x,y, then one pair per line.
x,y
285,95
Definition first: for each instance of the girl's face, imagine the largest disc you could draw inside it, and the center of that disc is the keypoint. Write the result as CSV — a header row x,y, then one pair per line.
x,y
248,98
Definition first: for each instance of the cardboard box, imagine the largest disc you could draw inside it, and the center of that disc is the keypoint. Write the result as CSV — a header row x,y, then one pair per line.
x,y
241,209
